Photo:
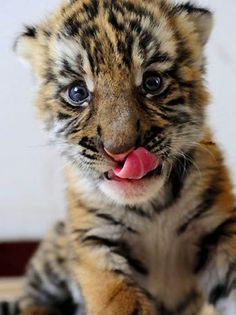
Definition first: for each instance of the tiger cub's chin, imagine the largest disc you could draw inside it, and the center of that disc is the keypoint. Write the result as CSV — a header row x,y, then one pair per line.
x,y
132,192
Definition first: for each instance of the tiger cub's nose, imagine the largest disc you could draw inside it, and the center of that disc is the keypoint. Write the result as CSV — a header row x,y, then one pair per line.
x,y
118,157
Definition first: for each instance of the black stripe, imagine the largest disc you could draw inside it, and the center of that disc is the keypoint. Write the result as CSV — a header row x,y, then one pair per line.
x,y
67,125
63,116
120,248
41,293
87,143
218,292
139,11
184,54
179,118
110,219
173,73
15,310
116,5
190,8
179,172
152,133
137,265
222,290
139,212
181,308
67,69
125,251
145,38
72,25
35,277
4,307
133,262
10,307
158,57
79,233
176,101
89,116
156,144
93,210
89,31
136,310
91,61
91,9
47,33
88,156
135,26
30,31
99,131
172,109
208,242
97,240
165,93
98,54
113,21
187,84
128,52
66,307
55,277
207,201
162,309
49,77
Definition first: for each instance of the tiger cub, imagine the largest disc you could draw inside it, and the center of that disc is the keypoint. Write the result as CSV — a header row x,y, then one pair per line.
x,y
151,227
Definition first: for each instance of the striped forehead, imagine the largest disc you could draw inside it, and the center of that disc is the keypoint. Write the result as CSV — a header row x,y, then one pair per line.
x,y
97,34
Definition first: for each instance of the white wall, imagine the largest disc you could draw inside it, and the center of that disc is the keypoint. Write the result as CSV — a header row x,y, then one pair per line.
x,y
31,184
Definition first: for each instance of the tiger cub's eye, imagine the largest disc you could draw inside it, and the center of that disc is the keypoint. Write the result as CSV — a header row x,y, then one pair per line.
x,y
152,82
77,93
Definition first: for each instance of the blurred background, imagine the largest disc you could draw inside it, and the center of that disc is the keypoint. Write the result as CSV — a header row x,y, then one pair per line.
x,y
31,179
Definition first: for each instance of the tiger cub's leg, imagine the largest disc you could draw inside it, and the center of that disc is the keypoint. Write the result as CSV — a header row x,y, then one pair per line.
x,y
46,288
101,264
217,267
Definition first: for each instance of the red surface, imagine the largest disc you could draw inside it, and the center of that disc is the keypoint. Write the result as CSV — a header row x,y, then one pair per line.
x,y
14,257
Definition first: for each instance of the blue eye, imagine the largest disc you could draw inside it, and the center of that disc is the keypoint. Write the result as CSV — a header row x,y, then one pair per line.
x,y
77,93
152,82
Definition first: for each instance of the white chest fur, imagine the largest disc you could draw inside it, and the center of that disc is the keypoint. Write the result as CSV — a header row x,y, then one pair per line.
x,y
167,256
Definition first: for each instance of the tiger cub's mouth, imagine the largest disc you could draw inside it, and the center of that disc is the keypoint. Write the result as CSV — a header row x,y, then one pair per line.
x,y
110,175
139,164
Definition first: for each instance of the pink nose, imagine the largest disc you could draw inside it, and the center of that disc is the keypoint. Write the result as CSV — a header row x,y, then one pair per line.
x,y
120,157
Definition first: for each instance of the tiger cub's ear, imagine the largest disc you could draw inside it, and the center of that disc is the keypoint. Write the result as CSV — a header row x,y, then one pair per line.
x,y
201,18
26,46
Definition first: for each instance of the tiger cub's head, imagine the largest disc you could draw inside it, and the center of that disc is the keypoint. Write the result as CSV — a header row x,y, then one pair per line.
x,y
121,87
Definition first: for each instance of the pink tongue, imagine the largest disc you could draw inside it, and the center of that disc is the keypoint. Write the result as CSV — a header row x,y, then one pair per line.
x,y
137,164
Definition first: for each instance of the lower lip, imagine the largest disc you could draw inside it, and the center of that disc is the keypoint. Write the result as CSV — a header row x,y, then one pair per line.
x,y
114,178
124,183
128,183
132,191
